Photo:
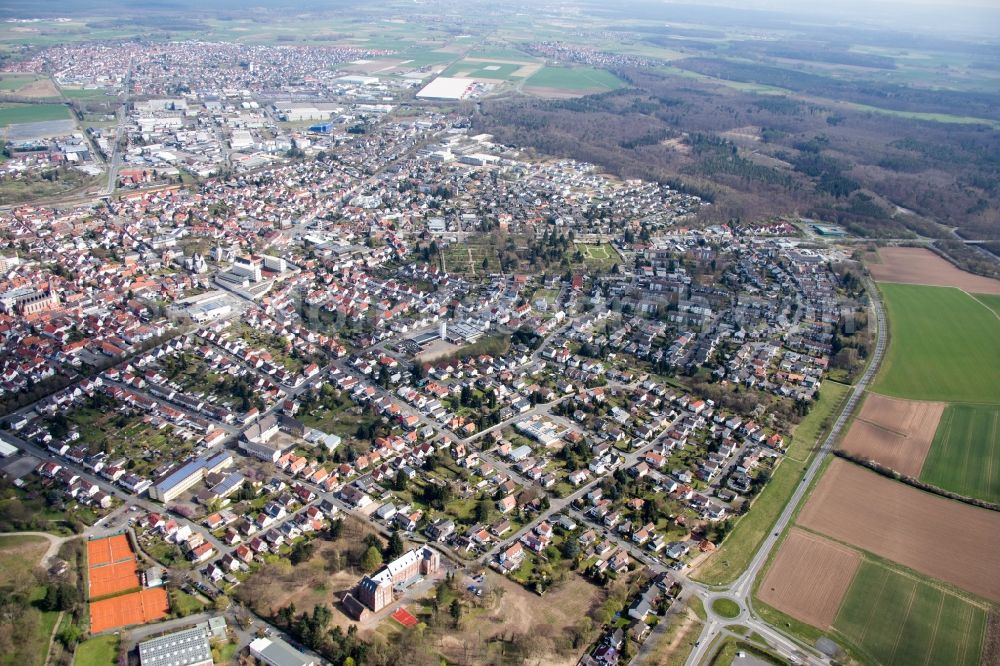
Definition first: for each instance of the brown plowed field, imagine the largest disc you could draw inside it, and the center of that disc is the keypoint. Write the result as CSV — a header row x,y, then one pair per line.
x,y
135,608
896,433
954,542
809,578
916,265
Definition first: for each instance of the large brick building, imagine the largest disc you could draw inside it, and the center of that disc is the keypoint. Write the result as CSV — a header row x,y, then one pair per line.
x,y
377,591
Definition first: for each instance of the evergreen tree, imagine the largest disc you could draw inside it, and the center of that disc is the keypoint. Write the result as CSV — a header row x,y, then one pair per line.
x,y
372,559
396,546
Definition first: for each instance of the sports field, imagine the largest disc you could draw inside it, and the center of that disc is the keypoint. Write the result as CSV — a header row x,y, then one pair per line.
x,y
105,551
579,79
127,609
943,346
965,454
894,618
11,114
113,578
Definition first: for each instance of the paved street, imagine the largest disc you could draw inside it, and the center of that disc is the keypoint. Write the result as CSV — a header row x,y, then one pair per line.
x,y
741,589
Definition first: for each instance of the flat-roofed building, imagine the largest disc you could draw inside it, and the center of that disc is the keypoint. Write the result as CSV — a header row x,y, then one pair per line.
x,y
175,483
276,652
188,647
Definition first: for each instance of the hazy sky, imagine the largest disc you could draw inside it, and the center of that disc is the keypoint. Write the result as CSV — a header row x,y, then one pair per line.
x,y
979,17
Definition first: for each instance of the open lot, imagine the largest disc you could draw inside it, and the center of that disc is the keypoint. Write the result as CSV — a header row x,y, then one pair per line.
x,y
28,85
19,555
915,265
943,346
965,456
547,619
100,651
894,618
323,578
954,542
809,577
893,432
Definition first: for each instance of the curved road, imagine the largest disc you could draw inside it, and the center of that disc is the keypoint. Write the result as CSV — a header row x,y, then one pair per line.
x,y
741,589
54,542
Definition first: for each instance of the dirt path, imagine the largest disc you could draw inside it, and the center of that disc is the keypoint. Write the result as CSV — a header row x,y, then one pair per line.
x,y
54,542
689,620
52,636
991,310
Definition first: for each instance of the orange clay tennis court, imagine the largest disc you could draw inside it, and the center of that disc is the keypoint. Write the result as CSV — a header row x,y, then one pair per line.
x,y
105,551
135,608
112,578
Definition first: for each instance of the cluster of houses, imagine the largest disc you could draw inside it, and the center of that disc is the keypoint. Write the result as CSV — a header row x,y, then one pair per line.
x,y
73,487
608,649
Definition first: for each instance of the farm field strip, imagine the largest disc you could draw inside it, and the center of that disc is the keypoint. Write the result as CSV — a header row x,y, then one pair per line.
x,y
943,347
992,301
14,113
948,540
896,619
809,578
965,455
574,78
893,432
919,266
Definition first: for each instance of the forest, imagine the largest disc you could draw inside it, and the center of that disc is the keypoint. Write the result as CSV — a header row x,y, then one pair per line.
x,y
754,156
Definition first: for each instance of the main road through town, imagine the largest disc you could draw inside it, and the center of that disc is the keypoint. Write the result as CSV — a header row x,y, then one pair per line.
x,y
741,590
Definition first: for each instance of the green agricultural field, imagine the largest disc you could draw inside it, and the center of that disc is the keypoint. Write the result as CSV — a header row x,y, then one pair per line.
x,y
89,95
500,52
12,82
11,114
965,455
581,79
943,346
423,57
740,546
992,301
893,618
503,71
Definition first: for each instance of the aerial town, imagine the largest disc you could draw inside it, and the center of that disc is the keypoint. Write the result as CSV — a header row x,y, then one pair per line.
x,y
322,374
